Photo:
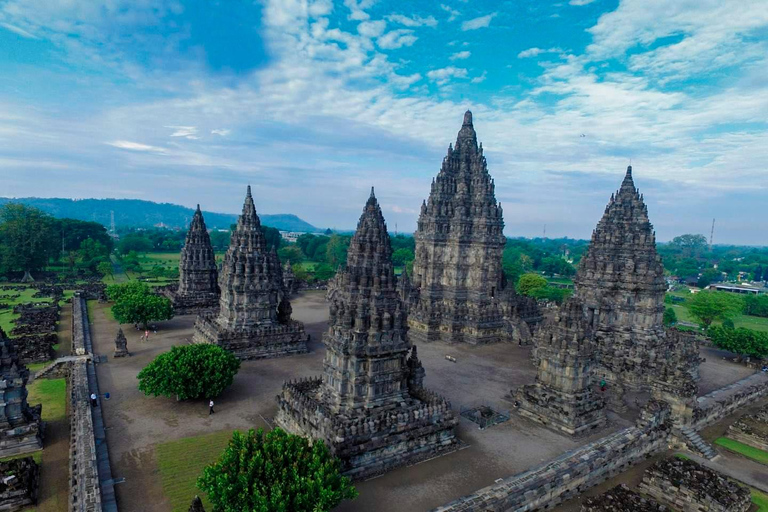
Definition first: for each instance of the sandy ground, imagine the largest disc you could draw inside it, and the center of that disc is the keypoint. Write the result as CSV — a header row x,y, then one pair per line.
x,y
480,375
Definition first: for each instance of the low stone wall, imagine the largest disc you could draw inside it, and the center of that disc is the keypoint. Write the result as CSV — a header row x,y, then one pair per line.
x,y
712,408
572,473
79,324
85,494
687,486
752,429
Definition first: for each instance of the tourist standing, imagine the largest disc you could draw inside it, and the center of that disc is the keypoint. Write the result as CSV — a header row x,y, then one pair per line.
x,y
210,408
94,402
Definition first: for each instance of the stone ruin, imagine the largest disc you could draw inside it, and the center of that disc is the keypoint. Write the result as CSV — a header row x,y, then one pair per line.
x,y
198,289
622,499
687,486
35,331
19,481
620,282
21,429
370,406
254,318
121,344
751,429
290,284
458,290
563,396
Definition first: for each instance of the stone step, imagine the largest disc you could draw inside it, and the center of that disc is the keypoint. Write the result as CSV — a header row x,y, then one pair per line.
x,y
696,441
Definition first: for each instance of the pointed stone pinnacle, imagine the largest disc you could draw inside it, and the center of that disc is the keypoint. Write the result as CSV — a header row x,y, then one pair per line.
x,y
468,118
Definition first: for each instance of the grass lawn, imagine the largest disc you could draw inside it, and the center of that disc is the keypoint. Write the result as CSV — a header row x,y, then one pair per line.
x,y
749,452
182,461
760,499
36,367
756,323
52,393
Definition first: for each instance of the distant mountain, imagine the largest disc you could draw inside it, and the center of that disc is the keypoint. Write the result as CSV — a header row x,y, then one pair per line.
x,y
139,213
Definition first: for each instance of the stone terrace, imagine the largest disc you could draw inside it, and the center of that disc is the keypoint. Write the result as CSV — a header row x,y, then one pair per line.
x,y
481,374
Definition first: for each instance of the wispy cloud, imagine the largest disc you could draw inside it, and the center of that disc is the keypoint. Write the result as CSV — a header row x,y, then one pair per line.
x,y
135,146
396,39
480,79
476,23
221,131
460,55
414,21
533,52
443,76
453,13
580,2
188,132
18,31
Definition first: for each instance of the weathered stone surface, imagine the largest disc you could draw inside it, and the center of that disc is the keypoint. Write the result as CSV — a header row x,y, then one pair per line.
x,y
290,285
621,499
687,486
35,331
370,406
254,318
19,480
198,289
620,280
563,396
752,429
457,275
121,344
21,428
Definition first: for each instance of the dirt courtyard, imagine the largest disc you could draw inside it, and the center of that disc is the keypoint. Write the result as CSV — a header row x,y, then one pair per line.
x,y
480,375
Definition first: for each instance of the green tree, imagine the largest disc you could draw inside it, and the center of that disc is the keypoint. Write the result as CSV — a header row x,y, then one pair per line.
x,y
690,246
291,253
275,472
741,341
402,256
708,306
27,239
529,282
135,303
323,272
670,317
134,242
189,372
336,250
105,269
272,237
74,232
709,276
299,272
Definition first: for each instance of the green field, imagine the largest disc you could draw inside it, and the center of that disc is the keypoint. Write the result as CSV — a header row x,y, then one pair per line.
x,y
756,323
760,499
749,452
52,393
182,461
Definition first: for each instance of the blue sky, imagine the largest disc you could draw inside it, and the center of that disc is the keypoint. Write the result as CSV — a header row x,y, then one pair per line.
x,y
312,102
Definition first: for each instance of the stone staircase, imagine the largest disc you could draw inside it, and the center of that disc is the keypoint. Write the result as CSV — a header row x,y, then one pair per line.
x,y
695,441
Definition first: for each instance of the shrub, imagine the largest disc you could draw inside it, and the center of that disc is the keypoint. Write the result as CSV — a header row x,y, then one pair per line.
x,y
740,341
275,472
189,371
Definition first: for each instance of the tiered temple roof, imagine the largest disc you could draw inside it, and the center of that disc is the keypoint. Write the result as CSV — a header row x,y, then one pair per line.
x,y
198,276
20,425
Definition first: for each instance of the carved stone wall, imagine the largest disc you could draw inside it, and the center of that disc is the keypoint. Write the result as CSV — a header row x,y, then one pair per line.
x,y
198,289
19,481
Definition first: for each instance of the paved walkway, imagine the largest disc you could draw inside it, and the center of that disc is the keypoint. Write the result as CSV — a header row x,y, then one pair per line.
x,y
717,395
738,468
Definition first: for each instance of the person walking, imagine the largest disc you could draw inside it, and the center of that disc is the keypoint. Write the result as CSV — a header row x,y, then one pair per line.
x,y
210,408
94,402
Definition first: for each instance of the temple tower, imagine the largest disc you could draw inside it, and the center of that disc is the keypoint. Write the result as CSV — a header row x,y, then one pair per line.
x,y
457,271
20,424
370,406
254,318
198,276
621,282
563,397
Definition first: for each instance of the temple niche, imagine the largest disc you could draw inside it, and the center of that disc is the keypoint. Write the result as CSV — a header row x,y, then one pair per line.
x,y
370,406
21,428
198,290
458,293
620,282
564,395
254,318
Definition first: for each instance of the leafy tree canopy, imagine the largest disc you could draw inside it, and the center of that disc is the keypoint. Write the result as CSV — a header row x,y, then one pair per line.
x,y
189,372
529,282
741,341
28,238
275,472
136,304
708,306
670,317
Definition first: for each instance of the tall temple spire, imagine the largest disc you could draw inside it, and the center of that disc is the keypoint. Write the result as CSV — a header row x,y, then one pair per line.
x,y
367,374
20,424
467,138
198,289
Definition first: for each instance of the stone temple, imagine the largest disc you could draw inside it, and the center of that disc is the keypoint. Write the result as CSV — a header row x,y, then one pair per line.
x,y
458,292
370,406
254,318
620,283
198,290
563,397
21,429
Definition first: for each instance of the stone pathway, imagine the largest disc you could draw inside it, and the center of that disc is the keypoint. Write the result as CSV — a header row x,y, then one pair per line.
x,y
719,394
743,470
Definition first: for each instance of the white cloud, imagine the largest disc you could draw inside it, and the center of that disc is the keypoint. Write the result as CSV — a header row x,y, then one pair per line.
x,y
357,9
581,2
451,11
476,23
135,146
533,52
443,76
415,21
188,132
396,39
18,31
221,131
460,55
372,28
479,79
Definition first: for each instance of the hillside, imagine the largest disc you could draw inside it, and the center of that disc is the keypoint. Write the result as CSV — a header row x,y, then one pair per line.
x,y
135,212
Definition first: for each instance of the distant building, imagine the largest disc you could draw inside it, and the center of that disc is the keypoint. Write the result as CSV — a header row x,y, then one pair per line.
x,y
291,236
734,288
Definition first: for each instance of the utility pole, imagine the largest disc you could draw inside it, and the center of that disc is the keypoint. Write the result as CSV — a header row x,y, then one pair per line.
x,y
545,231
712,235
112,230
